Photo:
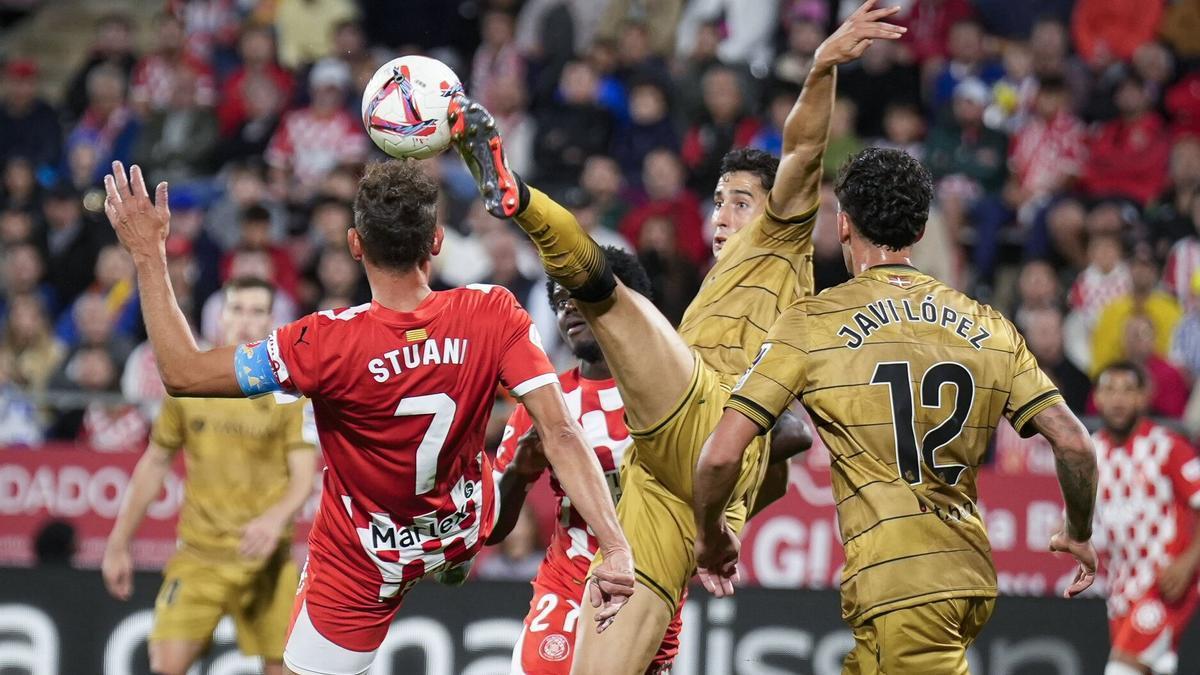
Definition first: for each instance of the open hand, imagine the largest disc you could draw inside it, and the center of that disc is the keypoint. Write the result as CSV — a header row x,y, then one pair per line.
x,y
610,586
1082,551
529,458
853,37
117,570
141,225
716,560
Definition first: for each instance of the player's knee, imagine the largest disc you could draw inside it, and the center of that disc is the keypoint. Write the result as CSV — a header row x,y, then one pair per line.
x,y
169,661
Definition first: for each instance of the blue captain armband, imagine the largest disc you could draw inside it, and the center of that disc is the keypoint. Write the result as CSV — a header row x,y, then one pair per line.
x,y
252,365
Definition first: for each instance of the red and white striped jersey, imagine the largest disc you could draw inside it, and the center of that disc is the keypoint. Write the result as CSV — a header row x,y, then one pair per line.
x,y
154,81
1147,490
1094,289
402,401
598,407
312,145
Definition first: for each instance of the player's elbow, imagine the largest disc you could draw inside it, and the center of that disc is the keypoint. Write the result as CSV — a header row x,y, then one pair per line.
x,y
560,437
1074,446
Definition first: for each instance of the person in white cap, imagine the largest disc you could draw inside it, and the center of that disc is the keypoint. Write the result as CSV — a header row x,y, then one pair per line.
x,y
312,141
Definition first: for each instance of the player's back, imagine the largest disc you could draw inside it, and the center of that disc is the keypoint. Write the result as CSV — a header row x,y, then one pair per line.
x,y
402,401
905,380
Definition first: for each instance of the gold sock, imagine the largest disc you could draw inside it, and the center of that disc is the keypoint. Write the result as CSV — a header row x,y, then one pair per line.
x,y
568,254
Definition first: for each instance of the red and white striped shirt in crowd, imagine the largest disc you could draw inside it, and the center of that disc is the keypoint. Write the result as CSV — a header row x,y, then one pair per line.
x,y
1045,152
1182,273
1094,289
312,143
154,81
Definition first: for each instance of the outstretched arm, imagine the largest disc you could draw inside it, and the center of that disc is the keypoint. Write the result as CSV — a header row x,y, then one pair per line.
x,y
142,226
806,131
1075,460
716,477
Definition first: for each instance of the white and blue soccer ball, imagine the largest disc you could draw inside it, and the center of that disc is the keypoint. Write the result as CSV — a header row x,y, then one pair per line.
x,y
404,106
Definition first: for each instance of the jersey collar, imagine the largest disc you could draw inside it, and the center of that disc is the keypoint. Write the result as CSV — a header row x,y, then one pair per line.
x,y
430,307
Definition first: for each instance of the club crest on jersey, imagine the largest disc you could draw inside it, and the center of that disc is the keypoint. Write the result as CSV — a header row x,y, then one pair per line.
x,y
554,648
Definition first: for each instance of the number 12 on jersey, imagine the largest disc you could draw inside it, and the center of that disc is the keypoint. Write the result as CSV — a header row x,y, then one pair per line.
x,y
898,376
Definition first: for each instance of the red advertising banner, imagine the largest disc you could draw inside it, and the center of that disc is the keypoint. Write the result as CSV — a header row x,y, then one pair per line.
x,y
795,541
85,488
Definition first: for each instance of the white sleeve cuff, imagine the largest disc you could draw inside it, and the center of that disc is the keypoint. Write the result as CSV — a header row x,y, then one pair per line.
x,y
534,383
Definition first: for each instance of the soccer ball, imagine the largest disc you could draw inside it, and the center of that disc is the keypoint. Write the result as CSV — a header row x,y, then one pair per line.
x,y
404,106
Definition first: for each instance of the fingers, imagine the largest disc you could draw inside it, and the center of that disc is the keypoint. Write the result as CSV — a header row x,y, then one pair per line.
x,y
882,30
862,9
1083,581
860,48
162,202
138,182
881,13
122,181
720,585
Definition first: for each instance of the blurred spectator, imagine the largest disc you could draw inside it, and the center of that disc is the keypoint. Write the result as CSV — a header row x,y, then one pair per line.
x,y
115,290
502,247
305,28
649,127
1180,27
1013,94
159,74
1047,154
245,186
611,94
843,141
329,221
255,263
515,122
350,45
668,197
112,46
1037,288
1050,45
656,24
258,65
1168,386
1154,63
829,263
55,544
903,129
603,184
805,28
745,35
106,424
28,125
1185,343
28,345
255,221
572,130
106,132
342,276
90,323
968,161
518,556
15,227
673,277
250,140
1105,31
1128,156
1170,218
779,104
176,139
689,72
188,237
497,56
580,20
877,82
211,29
1143,300
71,243
1183,262
968,61
18,414
1043,331
21,190
929,24
313,140
21,272
723,126
1106,277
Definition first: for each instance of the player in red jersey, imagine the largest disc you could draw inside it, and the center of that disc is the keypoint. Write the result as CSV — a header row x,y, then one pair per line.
x,y
1146,527
546,645
401,390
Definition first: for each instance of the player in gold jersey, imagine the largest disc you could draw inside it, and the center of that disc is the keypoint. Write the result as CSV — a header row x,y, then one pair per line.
x,y
905,380
250,466
673,383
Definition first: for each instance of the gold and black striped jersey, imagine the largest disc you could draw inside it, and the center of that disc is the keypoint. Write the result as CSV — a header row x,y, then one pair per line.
x,y
905,379
762,270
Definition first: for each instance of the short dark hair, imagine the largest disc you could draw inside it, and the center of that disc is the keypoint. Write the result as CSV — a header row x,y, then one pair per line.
x,y
760,163
395,213
886,193
1052,83
244,283
627,268
255,213
1139,375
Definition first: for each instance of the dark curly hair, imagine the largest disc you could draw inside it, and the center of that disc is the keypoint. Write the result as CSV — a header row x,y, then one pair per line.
x,y
757,162
627,268
886,193
395,213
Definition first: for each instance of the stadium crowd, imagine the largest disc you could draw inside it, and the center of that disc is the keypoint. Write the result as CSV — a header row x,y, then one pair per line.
x,y
1064,138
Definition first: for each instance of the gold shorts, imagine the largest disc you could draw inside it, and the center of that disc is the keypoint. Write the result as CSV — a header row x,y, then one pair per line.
x,y
655,510
197,592
928,638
